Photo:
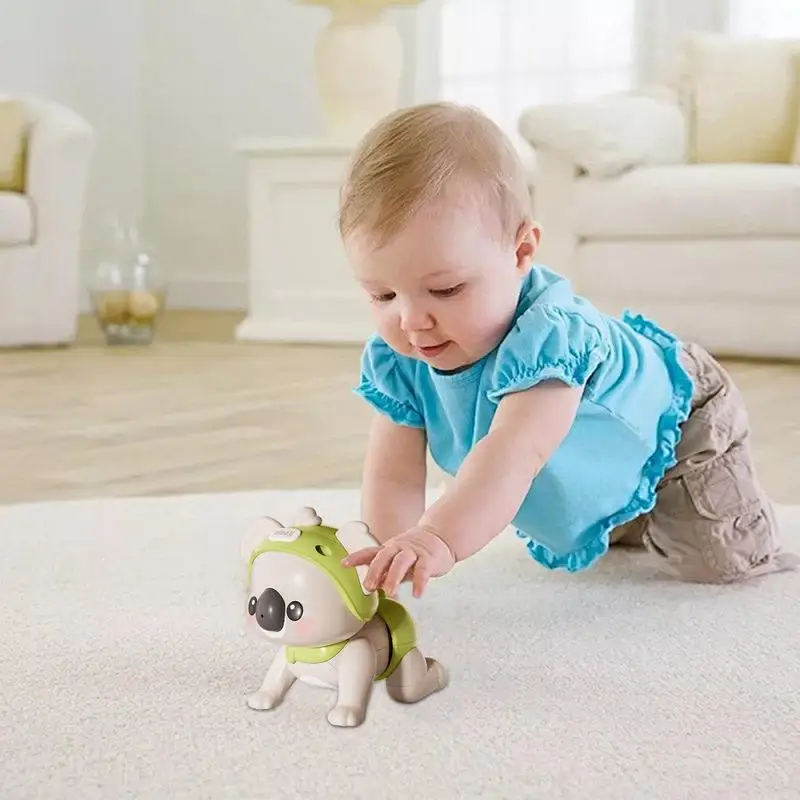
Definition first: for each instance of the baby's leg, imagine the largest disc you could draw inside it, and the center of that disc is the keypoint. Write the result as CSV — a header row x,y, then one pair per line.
x,y
630,534
713,522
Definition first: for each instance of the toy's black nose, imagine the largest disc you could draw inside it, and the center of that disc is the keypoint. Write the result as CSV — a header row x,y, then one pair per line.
x,y
270,610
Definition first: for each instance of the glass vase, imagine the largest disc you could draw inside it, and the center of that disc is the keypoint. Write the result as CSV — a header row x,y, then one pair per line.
x,y
128,290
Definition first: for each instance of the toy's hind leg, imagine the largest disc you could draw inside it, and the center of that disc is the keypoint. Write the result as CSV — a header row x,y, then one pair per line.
x,y
415,677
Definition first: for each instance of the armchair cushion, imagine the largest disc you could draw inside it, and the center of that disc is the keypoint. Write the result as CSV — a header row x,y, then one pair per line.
x,y
16,219
609,135
796,145
13,126
690,201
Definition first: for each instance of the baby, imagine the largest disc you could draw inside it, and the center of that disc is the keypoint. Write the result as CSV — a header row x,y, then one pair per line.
x,y
578,428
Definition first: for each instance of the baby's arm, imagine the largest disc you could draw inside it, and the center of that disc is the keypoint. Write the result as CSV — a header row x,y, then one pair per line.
x,y
393,489
495,477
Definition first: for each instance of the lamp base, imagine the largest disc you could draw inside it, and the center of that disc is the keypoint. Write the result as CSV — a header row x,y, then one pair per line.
x,y
359,65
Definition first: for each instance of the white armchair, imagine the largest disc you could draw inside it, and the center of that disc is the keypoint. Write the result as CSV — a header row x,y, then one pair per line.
x,y
40,228
683,205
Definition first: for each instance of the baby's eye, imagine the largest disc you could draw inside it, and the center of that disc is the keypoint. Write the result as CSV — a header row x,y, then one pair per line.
x,y
447,292
383,298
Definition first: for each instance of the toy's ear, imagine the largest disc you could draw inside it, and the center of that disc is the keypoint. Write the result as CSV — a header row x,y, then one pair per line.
x,y
256,533
307,517
356,536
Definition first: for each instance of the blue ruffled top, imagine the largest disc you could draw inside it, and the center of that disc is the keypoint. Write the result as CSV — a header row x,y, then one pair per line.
x,y
636,394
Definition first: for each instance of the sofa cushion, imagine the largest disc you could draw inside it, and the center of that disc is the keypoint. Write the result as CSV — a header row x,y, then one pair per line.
x,y
796,145
796,150
690,200
13,127
742,98
16,219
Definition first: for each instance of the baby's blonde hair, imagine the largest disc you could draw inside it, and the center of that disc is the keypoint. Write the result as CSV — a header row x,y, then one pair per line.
x,y
413,155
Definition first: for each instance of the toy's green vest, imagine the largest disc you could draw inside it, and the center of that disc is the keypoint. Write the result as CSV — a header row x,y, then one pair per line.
x,y
402,632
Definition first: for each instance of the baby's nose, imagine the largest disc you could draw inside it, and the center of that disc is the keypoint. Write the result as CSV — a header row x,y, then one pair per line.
x,y
270,610
416,319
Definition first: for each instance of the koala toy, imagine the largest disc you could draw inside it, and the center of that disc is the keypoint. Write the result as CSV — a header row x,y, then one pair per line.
x,y
333,632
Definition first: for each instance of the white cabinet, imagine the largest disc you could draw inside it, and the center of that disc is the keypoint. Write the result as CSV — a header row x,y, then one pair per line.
x,y
300,288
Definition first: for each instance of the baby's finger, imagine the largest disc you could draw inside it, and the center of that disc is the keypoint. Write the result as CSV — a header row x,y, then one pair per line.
x,y
402,563
420,579
360,557
378,567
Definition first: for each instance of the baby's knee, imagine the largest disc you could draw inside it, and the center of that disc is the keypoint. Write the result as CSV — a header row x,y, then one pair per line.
x,y
713,522
723,542
727,550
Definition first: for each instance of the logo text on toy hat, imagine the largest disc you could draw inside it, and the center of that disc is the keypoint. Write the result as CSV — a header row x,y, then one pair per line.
x,y
285,535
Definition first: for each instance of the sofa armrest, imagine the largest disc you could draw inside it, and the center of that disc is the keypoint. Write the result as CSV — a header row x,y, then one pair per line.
x,y
610,135
59,152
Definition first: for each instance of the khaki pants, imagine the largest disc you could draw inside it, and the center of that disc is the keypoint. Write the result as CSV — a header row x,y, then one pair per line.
x,y
712,521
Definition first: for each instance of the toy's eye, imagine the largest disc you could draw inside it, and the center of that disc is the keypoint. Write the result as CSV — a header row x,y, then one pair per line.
x,y
251,606
294,611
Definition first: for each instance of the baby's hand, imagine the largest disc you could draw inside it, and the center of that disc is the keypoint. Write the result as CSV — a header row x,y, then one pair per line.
x,y
418,552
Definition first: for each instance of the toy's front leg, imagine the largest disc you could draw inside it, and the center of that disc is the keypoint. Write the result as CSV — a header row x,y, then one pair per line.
x,y
276,683
356,672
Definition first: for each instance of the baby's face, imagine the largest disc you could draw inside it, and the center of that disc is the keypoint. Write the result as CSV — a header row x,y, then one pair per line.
x,y
444,290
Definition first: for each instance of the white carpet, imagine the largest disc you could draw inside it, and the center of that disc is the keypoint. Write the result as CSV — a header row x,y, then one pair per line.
x,y
123,672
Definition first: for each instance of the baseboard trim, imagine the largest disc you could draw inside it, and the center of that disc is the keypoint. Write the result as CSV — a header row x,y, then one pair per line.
x,y
255,329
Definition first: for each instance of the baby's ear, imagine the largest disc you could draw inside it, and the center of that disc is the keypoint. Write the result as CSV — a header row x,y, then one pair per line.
x,y
356,536
256,533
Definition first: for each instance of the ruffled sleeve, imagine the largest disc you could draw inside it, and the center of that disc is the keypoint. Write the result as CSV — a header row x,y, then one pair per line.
x,y
388,386
550,342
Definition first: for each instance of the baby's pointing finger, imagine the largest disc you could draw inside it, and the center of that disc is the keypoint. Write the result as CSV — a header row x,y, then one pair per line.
x,y
360,557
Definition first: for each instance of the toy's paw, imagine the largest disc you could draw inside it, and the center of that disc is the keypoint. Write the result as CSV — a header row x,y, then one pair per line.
x,y
346,716
263,701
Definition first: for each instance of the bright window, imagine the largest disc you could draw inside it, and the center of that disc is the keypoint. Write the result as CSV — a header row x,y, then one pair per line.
x,y
505,55
775,19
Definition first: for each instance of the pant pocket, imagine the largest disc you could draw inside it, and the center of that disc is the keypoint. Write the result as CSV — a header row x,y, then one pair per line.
x,y
725,487
733,530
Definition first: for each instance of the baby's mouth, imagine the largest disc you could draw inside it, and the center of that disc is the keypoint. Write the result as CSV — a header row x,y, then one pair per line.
x,y
431,351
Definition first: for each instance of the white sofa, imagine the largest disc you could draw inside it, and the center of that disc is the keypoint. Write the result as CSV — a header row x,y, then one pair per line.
x,y
683,204
40,228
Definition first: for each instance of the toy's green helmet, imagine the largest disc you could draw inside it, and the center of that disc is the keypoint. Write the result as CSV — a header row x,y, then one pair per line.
x,y
308,538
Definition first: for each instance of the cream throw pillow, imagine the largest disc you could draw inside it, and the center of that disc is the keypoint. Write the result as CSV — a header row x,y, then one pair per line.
x,y
12,146
796,150
796,153
743,97
608,135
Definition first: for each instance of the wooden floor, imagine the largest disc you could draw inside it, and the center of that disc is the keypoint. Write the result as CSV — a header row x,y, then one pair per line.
x,y
198,412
